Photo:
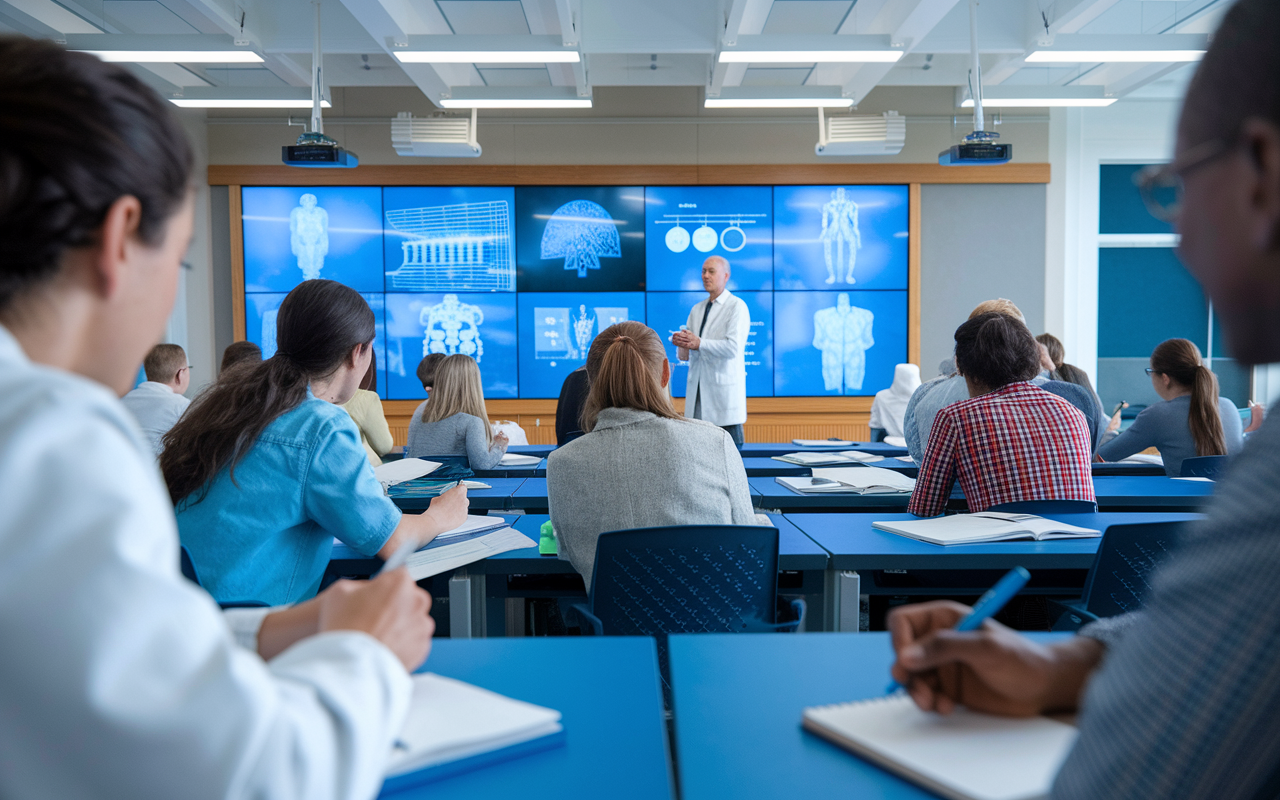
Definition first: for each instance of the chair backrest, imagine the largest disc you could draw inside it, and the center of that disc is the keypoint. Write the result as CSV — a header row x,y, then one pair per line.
x,y
1203,466
452,468
685,579
1047,507
1127,556
188,567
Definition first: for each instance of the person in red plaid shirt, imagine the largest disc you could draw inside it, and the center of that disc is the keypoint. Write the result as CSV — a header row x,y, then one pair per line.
x,y
1010,441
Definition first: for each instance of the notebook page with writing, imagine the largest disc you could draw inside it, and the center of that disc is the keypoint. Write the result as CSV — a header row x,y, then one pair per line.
x,y
963,755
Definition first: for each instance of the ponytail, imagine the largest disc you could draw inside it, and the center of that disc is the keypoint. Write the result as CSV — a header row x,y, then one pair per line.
x,y
1180,360
624,367
318,325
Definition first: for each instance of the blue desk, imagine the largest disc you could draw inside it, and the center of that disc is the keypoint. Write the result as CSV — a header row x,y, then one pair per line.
x,y
531,496
769,449
538,470
497,498
738,700
539,450
608,692
1126,468
769,468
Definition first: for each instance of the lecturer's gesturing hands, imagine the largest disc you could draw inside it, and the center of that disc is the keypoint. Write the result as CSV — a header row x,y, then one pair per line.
x,y
686,339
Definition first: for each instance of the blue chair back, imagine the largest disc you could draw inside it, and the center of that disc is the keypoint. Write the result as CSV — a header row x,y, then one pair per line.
x,y
452,468
1203,466
1128,556
1047,507
188,568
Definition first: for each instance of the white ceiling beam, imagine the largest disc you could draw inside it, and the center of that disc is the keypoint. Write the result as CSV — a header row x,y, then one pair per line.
x,y
213,16
751,15
1075,16
390,23
1137,78
544,19
907,22
52,16
1066,20
569,13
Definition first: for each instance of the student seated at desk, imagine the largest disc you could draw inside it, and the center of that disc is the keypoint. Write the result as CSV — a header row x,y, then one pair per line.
x,y
1010,441
158,403
365,408
238,353
122,679
454,421
639,464
427,370
265,470
1192,420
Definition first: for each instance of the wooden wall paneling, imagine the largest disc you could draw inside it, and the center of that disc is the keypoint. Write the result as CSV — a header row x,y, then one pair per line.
x,y
237,264
915,236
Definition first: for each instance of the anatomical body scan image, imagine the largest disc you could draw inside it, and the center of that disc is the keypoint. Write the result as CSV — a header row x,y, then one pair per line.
x,y
451,327
581,232
831,237
840,233
309,236
580,238
843,334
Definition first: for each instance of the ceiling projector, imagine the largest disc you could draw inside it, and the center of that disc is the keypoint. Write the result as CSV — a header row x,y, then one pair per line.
x,y
318,150
978,149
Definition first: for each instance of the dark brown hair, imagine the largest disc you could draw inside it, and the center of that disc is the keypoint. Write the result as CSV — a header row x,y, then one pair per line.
x,y
1057,353
1239,76
163,362
624,367
1180,360
238,353
996,350
319,324
369,382
1061,370
76,135
427,368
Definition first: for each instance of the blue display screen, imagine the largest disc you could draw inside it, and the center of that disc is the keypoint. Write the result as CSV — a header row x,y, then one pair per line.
x,y
840,237
524,278
685,225
670,310
557,329
838,343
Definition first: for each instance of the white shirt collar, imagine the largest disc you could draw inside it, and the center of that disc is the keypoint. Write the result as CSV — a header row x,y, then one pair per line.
x,y
725,295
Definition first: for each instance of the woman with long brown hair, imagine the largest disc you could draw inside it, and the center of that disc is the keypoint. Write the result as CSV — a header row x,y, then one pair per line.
x,y
265,470
1191,421
639,464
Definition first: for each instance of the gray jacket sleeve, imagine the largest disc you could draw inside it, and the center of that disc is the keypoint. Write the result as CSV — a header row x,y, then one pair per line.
x,y
1136,438
479,454
910,431
739,490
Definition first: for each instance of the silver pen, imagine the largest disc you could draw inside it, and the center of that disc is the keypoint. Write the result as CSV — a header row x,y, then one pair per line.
x,y
398,558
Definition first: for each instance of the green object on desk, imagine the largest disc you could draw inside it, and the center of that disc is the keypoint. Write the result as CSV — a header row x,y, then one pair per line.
x,y
547,544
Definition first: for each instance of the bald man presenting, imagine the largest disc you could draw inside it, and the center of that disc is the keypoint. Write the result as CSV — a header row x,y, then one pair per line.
x,y
714,343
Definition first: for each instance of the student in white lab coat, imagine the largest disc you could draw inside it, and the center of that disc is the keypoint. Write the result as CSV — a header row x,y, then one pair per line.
x,y
118,677
714,342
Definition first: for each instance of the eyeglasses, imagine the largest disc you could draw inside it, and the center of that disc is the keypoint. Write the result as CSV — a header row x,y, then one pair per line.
x,y
1149,371
1161,185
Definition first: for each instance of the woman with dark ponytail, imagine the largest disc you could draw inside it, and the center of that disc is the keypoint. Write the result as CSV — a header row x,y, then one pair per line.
x,y
639,464
1191,421
265,469
121,677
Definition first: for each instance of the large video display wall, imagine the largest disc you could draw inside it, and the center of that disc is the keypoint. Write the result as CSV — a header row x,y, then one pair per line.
x,y
523,278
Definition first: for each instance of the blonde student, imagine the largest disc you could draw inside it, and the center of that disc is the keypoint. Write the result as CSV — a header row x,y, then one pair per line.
x,y
120,678
365,408
454,421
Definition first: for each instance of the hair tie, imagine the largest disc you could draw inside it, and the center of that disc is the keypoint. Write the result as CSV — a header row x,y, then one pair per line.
x,y
622,339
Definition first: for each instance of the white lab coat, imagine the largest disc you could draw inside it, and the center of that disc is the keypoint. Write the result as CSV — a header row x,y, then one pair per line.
x,y
118,677
718,368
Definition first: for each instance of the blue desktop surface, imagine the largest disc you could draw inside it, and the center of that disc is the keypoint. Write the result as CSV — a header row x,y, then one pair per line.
x,y
557,329
608,693
416,495
866,235
685,225
478,324
738,702
838,343
669,311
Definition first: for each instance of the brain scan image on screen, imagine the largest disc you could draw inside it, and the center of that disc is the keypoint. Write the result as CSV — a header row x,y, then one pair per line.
x,y
843,334
581,232
292,234
687,224
580,238
309,236
668,311
561,327
436,244
831,237
480,325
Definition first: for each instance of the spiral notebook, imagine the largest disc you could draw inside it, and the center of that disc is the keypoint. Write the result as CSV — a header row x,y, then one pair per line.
x,y
963,755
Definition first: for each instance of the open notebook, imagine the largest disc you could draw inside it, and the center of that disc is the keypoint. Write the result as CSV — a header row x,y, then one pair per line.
x,y
476,539
518,460
820,442
985,526
837,457
963,755
455,727
406,469
855,480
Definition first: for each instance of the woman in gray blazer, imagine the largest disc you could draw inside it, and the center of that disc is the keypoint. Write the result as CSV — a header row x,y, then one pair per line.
x,y
640,464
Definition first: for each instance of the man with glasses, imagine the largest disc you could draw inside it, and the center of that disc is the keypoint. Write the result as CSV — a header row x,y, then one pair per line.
x,y
158,402
1183,697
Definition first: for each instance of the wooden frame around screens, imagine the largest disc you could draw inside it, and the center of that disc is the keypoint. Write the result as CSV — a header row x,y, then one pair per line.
x,y
768,418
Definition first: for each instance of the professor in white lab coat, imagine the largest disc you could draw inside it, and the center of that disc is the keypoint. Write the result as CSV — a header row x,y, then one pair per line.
x,y
714,343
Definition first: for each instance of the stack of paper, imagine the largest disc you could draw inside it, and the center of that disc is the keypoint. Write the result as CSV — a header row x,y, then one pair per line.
x,y
820,442
985,526
895,441
835,457
449,551
454,727
856,480
406,469
517,460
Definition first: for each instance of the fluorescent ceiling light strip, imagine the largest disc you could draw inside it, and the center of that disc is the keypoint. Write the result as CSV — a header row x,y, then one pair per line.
x,y
1043,102
808,56
778,102
489,56
513,102
1114,56
182,102
178,56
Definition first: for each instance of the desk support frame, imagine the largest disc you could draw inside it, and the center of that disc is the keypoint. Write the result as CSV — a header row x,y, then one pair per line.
x,y
843,595
467,615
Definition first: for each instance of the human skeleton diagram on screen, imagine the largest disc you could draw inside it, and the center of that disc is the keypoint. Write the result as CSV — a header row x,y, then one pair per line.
x,y
583,331
840,226
451,327
843,334
309,236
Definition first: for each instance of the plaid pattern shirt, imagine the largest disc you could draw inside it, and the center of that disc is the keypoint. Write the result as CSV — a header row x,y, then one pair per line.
x,y
1016,443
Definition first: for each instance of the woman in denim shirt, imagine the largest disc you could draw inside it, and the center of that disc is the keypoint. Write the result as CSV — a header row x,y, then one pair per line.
x,y
265,470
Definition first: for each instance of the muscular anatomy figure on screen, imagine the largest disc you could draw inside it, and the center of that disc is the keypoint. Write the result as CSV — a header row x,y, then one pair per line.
x,y
840,226
843,334
309,236
452,327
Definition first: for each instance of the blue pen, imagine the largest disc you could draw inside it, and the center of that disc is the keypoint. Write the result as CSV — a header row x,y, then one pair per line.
x,y
996,598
